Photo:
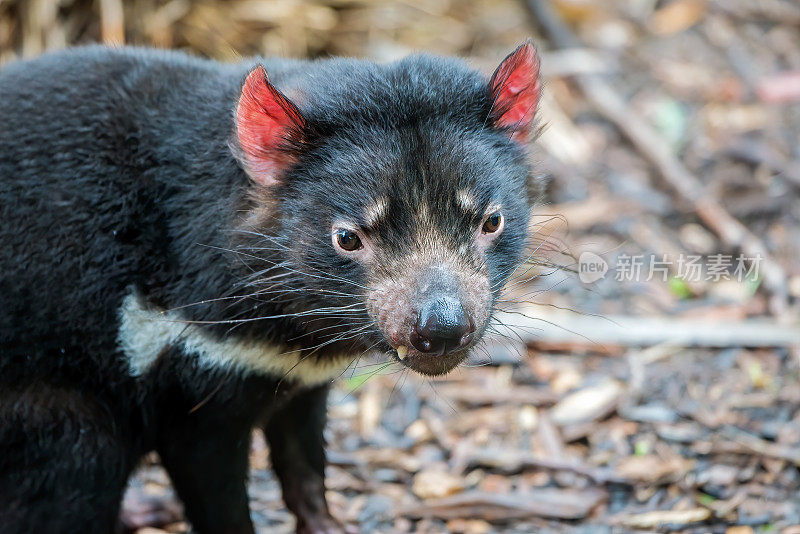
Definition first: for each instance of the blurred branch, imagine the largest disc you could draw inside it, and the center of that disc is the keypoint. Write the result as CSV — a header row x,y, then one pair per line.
x,y
757,152
537,324
655,149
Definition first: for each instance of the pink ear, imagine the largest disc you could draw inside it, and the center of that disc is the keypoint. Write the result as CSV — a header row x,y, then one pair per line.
x,y
515,90
269,128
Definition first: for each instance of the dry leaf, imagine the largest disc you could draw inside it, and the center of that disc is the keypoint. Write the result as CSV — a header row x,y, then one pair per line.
x,y
677,16
587,404
668,517
436,484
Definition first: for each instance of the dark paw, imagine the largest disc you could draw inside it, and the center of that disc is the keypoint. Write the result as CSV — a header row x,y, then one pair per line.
x,y
140,510
323,525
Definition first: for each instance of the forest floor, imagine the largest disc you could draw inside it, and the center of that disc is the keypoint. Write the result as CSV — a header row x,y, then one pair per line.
x,y
664,438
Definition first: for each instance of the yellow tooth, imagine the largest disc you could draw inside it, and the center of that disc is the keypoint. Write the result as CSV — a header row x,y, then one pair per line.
x,y
402,352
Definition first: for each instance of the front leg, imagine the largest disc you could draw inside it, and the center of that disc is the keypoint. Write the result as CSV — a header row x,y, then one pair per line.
x,y
209,472
204,442
297,450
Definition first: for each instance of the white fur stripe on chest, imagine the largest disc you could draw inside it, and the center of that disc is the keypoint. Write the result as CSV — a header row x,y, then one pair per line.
x,y
145,332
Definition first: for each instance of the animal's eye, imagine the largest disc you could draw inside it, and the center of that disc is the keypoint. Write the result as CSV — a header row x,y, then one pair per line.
x,y
492,223
348,240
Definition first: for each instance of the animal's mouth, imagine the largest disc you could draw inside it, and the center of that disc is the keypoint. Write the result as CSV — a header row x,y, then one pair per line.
x,y
429,364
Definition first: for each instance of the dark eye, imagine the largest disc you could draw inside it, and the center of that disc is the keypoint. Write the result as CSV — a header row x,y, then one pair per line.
x,y
492,223
348,240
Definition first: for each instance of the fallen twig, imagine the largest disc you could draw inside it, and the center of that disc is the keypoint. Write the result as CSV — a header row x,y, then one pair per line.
x,y
541,324
759,153
545,502
516,461
661,518
762,447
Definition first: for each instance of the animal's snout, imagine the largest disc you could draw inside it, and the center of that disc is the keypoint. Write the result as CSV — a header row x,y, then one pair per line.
x,y
433,315
442,326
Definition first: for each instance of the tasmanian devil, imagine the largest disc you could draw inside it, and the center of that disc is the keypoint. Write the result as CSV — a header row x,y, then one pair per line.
x,y
189,249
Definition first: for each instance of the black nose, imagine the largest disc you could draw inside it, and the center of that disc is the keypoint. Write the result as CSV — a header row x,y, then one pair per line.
x,y
442,326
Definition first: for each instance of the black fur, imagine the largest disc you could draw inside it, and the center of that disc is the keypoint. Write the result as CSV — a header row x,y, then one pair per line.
x,y
117,173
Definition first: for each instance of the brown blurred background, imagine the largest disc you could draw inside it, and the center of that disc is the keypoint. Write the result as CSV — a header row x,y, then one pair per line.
x,y
230,29
667,402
